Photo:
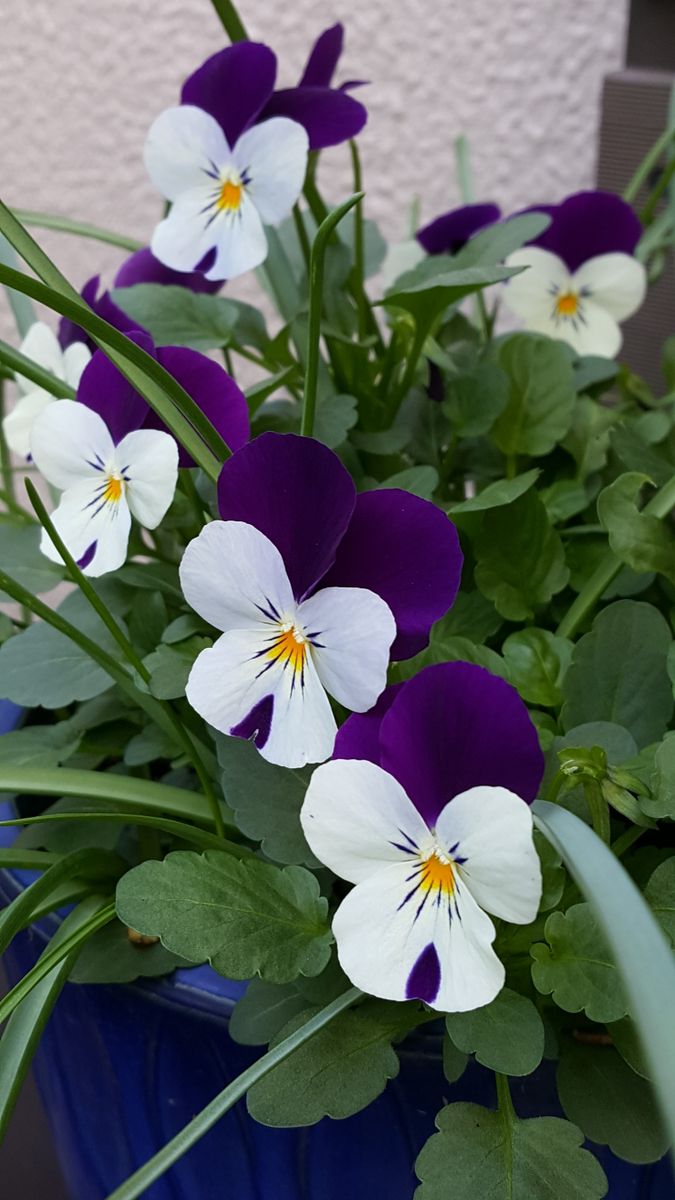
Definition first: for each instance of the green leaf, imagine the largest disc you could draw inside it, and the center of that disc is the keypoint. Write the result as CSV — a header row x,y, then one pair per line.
x,y
478,1153
660,896
436,283
537,662
610,1103
506,1035
335,416
421,481
148,745
263,1010
245,918
564,499
39,745
342,1070
495,495
520,558
637,455
542,395
454,1061
641,541
497,241
575,966
183,627
588,437
148,622
553,874
21,556
626,1039
618,672
474,399
661,801
472,616
266,800
170,666
111,957
41,666
176,316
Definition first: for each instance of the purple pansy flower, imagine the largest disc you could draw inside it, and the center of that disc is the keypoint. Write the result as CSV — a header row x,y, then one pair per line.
x,y
314,588
425,809
451,231
583,280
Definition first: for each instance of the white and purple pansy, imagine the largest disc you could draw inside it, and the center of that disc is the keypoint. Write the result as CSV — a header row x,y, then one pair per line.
x,y
582,279
314,589
425,809
112,459
42,346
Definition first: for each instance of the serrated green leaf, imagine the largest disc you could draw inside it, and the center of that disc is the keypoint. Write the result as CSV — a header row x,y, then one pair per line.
x,y
421,481
265,799
342,1070
641,541
22,558
244,917
660,895
575,966
542,395
176,316
39,745
537,662
474,399
335,416
476,1153
472,616
111,957
496,495
618,672
264,1010
506,1035
520,558
564,499
148,745
170,666
610,1103
626,1039
661,801
435,284
553,874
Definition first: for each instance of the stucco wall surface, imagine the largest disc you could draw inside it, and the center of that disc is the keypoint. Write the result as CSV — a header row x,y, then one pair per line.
x,y
81,81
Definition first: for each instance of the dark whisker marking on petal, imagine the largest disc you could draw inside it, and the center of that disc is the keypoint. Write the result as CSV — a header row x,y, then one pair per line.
x,y
408,839
421,906
410,895
400,846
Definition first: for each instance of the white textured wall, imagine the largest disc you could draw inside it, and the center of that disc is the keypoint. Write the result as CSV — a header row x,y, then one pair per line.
x,y
81,80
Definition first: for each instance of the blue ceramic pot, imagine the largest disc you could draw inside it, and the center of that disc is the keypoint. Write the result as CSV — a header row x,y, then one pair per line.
x,y
122,1069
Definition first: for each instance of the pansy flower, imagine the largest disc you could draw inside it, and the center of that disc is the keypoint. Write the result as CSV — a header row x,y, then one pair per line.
x,y
139,267
42,346
425,809
451,231
582,279
314,588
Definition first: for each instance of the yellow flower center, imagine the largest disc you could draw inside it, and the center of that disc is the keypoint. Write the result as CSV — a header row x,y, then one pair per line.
x,y
290,648
114,489
567,304
438,874
230,196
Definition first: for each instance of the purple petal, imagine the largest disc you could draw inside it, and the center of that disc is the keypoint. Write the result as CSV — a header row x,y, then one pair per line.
x,y
256,725
330,116
323,58
212,389
143,267
425,978
407,551
359,737
453,727
233,86
587,224
105,390
103,306
449,232
296,492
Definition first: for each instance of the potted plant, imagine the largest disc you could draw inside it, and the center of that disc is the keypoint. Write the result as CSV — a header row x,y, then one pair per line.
x,y
336,854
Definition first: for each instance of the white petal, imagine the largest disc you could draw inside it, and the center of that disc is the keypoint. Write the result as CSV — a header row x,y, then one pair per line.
x,y
83,520
69,443
491,828
42,346
228,681
615,282
357,819
148,461
185,147
273,156
353,630
75,358
382,931
234,577
594,332
530,295
17,425
240,241
186,235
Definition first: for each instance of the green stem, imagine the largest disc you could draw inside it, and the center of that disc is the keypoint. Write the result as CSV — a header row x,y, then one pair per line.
x,y
627,839
142,1179
231,21
138,794
647,165
6,471
299,222
42,220
647,214
411,367
359,274
20,365
599,810
178,829
511,466
607,570
316,270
